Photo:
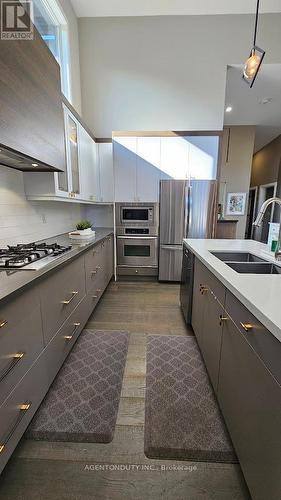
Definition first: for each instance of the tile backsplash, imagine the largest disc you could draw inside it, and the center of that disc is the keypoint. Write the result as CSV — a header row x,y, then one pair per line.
x,y
25,221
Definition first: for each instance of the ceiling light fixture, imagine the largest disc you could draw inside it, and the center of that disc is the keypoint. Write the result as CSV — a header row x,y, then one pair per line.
x,y
228,109
34,164
253,63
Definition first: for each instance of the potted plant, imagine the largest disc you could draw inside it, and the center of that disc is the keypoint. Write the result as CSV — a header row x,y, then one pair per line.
x,y
84,227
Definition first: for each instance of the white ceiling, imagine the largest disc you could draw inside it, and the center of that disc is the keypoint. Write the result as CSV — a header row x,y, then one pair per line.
x,y
247,108
104,8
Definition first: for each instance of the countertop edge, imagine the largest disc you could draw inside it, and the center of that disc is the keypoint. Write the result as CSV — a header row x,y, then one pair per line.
x,y
265,320
37,276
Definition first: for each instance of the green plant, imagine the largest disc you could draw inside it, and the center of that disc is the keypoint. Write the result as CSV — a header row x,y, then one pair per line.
x,y
83,224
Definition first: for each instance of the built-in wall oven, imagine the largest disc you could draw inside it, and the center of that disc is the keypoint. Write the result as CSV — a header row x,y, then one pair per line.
x,y
137,238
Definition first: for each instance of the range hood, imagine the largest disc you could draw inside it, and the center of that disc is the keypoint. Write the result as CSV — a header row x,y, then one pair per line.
x,y
14,159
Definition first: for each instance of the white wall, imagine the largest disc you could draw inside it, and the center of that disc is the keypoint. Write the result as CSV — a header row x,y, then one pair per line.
x,y
164,73
100,216
22,221
71,18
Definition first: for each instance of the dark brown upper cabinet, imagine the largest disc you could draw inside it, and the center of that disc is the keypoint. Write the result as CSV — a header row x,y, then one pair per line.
x,y
31,114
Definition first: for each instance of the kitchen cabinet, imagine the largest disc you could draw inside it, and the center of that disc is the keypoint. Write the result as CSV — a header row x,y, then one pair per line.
x,y
30,102
81,179
125,168
148,169
88,166
106,175
136,169
207,317
174,158
250,399
21,339
42,325
243,361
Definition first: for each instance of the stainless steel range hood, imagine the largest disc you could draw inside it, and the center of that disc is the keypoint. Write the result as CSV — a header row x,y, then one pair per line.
x,y
14,159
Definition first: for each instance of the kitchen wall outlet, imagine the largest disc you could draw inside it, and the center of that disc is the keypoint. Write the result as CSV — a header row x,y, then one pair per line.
x,y
44,220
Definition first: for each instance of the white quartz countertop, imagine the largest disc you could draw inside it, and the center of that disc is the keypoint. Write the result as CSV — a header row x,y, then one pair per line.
x,y
260,293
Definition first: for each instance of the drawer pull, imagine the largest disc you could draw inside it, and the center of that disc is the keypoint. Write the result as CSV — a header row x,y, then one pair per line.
x,y
203,289
99,290
70,337
23,408
66,302
94,296
3,322
15,358
222,319
246,326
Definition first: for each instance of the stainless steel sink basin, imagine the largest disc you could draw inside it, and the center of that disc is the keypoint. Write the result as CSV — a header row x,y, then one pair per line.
x,y
237,257
254,267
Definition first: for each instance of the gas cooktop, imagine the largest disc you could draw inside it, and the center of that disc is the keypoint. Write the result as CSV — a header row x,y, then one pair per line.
x,y
31,256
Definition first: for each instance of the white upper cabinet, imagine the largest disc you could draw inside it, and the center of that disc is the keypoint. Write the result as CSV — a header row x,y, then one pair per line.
x,y
105,159
88,166
125,168
203,156
174,158
81,179
148,168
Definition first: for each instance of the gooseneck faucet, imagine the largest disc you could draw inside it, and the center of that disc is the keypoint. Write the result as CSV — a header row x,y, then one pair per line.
x,y
260,217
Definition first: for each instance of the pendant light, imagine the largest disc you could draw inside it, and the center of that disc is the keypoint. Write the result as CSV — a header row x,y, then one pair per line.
x,y
253,63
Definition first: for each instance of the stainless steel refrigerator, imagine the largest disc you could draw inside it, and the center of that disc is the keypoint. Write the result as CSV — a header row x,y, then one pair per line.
x,y
187,210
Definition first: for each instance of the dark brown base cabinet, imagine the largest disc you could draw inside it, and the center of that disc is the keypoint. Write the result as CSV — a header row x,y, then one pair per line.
x,y
38,330
243,361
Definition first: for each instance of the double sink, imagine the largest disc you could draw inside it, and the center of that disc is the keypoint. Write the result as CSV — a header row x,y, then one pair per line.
x,y
245,262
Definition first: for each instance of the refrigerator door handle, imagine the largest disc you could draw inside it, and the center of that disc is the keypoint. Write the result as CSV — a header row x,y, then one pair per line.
x,y
171,247
186,210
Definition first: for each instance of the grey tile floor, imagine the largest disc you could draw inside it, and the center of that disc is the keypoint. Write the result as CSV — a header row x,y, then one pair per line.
x,y
119,470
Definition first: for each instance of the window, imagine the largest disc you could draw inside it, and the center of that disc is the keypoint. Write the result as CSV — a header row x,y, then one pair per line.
x,y
52,26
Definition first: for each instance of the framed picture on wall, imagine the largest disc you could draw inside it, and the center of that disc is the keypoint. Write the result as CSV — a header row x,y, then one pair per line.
x,y
236,203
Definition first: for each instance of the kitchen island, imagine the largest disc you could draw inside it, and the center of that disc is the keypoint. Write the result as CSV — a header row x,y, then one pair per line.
x,y
237,322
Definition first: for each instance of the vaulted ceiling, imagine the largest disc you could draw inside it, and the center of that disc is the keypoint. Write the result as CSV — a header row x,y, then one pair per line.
x,y
104,8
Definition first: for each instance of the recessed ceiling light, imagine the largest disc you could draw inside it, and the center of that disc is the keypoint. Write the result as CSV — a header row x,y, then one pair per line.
x,y
34,164
265,100
228,109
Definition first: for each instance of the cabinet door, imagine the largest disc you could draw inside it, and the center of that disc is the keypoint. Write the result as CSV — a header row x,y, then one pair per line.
x,y
250,399
148,164
72,153
174,158
207,311
199,301
88,167
212,336
125,164
106,172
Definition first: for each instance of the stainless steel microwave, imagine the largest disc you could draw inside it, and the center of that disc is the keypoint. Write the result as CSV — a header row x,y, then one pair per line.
x,y
141,214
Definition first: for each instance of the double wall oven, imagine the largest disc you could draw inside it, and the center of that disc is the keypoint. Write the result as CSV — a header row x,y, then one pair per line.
x,y
137,238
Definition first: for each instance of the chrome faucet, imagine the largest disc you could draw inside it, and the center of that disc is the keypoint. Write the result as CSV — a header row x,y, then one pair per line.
x,y
259,219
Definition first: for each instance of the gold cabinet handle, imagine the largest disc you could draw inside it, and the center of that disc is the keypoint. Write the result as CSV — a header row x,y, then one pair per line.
x,y
66,302
23,408
246,326
15,358
203,289
94,296
222,319
70,337
3,322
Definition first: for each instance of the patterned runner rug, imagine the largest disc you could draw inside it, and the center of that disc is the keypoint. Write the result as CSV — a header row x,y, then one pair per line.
x,y
82,403
182,417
